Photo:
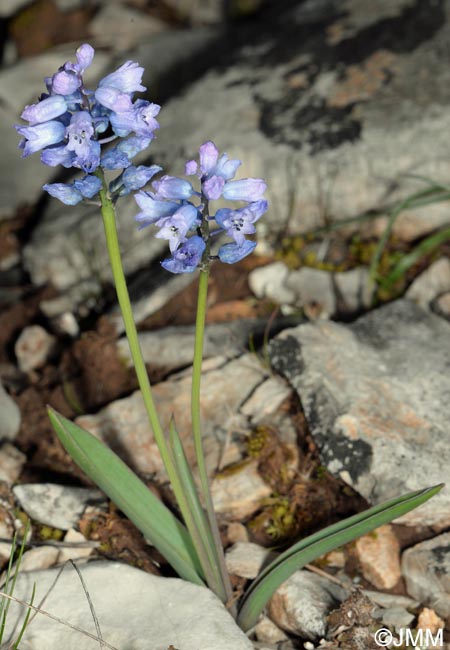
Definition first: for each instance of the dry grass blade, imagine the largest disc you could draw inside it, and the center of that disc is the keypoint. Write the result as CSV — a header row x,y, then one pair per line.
x,y
38,610
90,603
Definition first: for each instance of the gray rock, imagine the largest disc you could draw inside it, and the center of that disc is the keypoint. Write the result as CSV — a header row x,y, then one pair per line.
x,y
442,305
131,607
432,282
59,506
387,601
266,399
10,418
67,247
323,117
153,299
237,493
121,28
318,292
11,462
123,424
395,618
426,569
378,555
246,559
302,603
9,7
267,632
173,347
34,347
199,11
375,395
270,282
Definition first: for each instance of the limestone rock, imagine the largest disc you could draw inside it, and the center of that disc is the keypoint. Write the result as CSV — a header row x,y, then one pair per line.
x,y
246,559
324,111
238,491
34,347
395,618
11,462
302,603
123,424
59,506
41,557
237,532
11,418
320,293
375,395
432,282
442,305
426,569
131,606
378,554
173,347
81,549
9,7
429,620
267,632
121,28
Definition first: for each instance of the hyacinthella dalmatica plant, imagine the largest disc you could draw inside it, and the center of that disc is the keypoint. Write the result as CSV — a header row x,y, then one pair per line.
x,y
73,126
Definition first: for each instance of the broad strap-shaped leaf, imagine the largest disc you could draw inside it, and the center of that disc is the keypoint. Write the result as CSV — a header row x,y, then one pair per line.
x,y
131,495
324,541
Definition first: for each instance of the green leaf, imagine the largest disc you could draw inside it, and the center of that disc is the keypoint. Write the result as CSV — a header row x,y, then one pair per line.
x,y
195,518
326,540
131,495
426,246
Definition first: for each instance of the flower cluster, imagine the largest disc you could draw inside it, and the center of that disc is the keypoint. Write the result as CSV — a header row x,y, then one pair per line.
x,y
68,121
170,208
69,126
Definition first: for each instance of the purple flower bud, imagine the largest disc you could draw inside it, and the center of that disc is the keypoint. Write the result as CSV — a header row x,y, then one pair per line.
x,y
113,99
88,186
190,168
171,187
40,136
208,157
54,156
120,156
232,253
186,258
67,194
133,178
73,193
85,55
65,82
212,187
127,78
152,209
247,189
45,110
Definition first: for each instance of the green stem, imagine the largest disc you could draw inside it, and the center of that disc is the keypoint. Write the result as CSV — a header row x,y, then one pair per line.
x,y
197,429
112,243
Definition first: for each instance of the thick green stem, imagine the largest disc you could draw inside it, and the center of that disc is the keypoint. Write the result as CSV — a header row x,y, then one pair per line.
x,y
197,429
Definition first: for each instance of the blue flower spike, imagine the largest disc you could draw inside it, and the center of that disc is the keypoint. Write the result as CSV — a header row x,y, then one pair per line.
x,y
66,123
171,209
